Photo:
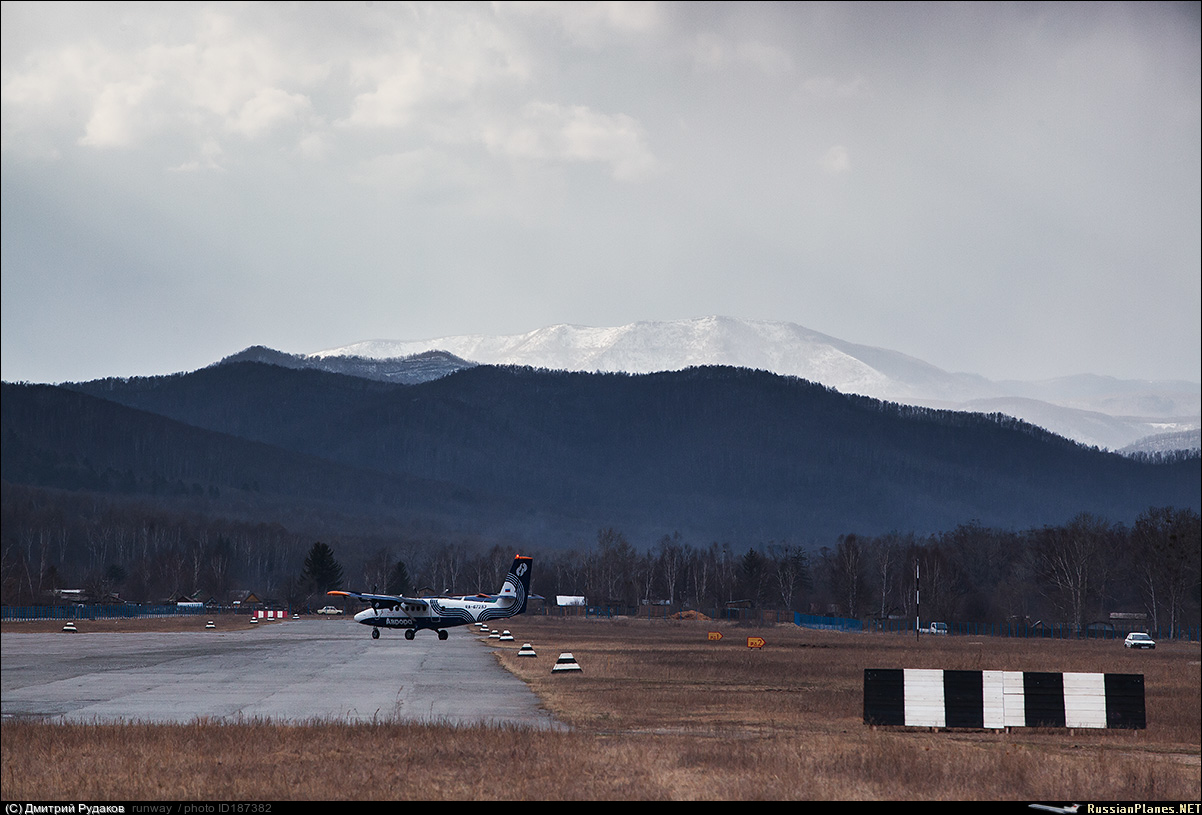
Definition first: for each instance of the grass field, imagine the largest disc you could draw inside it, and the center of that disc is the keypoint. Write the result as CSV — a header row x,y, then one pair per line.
x,y
661,712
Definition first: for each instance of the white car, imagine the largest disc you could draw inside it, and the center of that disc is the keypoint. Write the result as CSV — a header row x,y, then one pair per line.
x,y
1137,640
329,610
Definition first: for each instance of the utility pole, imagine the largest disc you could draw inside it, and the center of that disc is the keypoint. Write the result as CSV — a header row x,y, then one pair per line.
x,y
917,615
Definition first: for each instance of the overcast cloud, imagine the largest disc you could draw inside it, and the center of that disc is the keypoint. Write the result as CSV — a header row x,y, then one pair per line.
x,y
1010,190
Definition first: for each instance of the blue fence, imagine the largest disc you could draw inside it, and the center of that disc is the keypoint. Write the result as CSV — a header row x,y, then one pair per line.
x,y
827,623
83,612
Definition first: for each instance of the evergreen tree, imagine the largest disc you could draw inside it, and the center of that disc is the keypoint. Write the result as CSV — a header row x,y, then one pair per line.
x,y
753,577
398,579
321,569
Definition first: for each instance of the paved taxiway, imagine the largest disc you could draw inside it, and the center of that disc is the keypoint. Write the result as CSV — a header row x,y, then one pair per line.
x,y
290,671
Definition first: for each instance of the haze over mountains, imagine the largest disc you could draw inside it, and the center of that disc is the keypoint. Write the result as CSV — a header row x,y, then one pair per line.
x,y
1094,410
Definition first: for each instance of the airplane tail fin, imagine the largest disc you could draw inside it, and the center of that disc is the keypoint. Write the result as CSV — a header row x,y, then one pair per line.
x,y
517,582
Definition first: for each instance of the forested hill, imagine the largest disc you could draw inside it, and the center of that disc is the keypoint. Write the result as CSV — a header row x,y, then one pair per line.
x,y
718,453
56,438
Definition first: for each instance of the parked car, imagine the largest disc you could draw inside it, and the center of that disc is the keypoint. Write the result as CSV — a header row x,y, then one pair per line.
x,y
1137,640
938,628
329,610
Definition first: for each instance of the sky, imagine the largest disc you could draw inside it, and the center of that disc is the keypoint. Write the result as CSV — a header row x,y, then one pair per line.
x,y
1010,190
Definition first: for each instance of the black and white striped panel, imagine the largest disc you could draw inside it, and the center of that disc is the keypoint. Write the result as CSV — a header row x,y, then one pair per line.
x,y
998,699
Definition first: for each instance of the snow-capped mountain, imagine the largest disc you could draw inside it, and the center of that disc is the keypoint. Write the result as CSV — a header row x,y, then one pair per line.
x,y
1094,410
408,370
647,347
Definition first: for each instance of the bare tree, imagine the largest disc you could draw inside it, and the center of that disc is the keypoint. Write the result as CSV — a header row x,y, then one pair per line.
x,y
940,579
847,564
792,571
376,569
700,569
1073,560
1167,550
646,567
671,563
887,560
613,561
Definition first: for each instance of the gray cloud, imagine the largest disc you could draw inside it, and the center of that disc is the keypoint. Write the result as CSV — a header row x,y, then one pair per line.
x,y
1009,190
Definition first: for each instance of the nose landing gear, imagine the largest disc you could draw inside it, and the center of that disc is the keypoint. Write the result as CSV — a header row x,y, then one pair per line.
x,y
375,633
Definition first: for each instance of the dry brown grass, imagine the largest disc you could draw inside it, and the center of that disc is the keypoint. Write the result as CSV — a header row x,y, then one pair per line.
x,y
660,712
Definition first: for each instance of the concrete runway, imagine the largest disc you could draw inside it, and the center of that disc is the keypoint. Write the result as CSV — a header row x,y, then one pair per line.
x,y
292,671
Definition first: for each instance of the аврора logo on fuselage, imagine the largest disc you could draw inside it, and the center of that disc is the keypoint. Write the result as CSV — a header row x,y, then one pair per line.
x,y
372,617
441,613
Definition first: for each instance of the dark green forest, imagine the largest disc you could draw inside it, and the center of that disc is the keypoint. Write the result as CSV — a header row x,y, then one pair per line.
x,y
694,488
716,453
1075,573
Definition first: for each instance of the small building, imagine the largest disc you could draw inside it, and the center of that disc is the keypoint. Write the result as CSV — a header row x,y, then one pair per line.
x,y
657,608
244,601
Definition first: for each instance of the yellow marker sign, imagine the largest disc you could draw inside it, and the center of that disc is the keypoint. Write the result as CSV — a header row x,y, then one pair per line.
x,y
715,636
755,642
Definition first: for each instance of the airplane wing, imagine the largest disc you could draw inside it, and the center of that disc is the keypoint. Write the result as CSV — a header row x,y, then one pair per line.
x,y
379,599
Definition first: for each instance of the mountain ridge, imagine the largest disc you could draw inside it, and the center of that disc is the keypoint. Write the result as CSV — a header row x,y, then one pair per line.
x,y
722,453
1136,409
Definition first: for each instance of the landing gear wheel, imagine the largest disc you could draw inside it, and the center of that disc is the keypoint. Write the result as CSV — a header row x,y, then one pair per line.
x,y
442,635
375,633
409,633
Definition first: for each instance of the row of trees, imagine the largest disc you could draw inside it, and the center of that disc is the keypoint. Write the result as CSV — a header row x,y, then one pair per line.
x,y
1076,572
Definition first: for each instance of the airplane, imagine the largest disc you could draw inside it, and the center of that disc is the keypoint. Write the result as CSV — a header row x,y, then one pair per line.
x,y
440,613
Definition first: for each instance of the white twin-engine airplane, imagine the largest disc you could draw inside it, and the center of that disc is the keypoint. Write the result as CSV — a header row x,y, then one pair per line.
x,y
440,613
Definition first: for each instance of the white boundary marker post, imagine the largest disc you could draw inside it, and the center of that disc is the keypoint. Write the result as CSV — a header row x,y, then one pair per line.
x,y
566,664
